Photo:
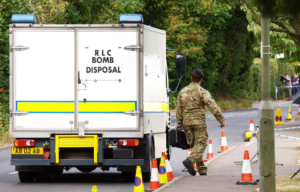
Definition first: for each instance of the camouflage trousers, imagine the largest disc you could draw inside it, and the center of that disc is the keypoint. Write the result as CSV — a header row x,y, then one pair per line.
x,y
197,138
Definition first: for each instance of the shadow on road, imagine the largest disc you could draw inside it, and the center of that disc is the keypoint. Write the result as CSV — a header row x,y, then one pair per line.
x,y
88,177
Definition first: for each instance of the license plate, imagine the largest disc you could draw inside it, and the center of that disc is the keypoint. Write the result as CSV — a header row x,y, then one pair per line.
x,y
26,151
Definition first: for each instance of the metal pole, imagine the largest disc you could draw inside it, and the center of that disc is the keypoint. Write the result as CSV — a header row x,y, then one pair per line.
x,y
266,112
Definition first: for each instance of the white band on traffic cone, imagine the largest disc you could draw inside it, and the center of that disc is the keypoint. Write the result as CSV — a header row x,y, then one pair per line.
x,y
251,127
210,154
224,141
246,166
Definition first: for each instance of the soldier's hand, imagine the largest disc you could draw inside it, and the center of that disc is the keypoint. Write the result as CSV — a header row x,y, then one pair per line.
x,y
180,128
223,124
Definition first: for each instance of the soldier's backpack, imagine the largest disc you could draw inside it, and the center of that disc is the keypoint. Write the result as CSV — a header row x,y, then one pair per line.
x,y
177,139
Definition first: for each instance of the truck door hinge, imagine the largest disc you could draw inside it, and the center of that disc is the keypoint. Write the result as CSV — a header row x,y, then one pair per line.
x,y
18,48
18,113
133,113
134,48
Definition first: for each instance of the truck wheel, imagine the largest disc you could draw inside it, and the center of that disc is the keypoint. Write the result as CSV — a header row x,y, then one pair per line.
x,y
42,176
25,176
147,175
86,169
167,144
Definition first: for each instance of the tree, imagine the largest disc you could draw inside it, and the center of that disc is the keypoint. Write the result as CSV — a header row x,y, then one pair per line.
x,y
285,16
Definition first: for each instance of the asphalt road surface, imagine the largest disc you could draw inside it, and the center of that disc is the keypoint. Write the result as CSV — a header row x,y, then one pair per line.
x,y
73,180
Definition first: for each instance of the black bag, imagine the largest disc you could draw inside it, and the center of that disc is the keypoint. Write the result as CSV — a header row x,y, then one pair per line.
x,y
282,79
177,138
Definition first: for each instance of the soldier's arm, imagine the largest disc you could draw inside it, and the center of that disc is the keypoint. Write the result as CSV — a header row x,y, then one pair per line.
x,y
179,111
211,104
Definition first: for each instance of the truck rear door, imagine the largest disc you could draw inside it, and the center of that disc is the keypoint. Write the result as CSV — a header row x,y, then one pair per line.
x,y
109,81
42,80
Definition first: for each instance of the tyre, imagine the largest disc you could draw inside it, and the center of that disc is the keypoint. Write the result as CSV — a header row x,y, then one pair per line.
x,y
42,176
26,176
128,176
86,169
147,175
167,144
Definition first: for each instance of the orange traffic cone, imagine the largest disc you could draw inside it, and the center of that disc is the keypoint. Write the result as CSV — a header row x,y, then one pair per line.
x,y
210,154
170,173
251,127
299,110
185,170
224,146
154,181
246,178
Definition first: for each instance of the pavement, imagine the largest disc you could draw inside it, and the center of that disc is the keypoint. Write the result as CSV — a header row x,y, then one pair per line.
x,y
276,103
222,172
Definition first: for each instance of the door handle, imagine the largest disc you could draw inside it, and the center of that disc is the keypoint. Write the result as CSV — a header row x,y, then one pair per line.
x,y
79,80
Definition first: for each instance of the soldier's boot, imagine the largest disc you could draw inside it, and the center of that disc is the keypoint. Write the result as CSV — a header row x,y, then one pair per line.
x,y
190,166
202,170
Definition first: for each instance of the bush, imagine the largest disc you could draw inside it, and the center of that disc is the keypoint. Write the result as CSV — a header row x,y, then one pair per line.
x,y
277,69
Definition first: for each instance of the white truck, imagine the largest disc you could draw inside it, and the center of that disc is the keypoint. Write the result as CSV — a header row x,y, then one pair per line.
x,y
88,96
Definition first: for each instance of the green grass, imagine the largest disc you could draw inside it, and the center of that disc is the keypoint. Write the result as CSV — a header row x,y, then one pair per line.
x,y
4,127
285,184
4,139
232,104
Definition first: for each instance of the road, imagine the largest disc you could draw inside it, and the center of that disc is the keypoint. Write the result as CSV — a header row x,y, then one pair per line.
x,y
237,123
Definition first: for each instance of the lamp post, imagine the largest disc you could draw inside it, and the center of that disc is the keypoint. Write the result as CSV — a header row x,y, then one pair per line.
x,y
266,143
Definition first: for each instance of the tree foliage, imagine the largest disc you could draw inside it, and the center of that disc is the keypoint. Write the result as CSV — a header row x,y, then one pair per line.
x,y
218,37
285,15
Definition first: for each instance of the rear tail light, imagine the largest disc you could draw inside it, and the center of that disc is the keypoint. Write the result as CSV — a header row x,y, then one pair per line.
x,y
129,142
24,143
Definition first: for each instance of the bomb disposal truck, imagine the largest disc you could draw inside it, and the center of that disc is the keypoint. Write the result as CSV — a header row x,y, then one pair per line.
x,y
88,96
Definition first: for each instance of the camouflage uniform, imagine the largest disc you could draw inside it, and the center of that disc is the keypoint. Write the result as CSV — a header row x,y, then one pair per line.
x,y
190,114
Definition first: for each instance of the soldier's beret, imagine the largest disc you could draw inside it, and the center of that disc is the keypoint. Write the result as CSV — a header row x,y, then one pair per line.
x,y
198,72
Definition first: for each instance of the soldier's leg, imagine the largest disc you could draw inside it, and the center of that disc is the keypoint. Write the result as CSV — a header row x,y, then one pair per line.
x,y
189,132
200,143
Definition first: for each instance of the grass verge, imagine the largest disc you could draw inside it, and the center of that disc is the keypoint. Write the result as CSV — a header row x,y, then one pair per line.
x,y
4,139
232,104
4,126
285,184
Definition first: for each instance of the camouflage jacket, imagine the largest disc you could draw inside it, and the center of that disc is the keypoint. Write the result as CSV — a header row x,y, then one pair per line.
x,y
191,103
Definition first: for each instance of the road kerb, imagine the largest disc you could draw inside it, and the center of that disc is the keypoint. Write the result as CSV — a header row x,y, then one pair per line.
x,y
220,155
168,184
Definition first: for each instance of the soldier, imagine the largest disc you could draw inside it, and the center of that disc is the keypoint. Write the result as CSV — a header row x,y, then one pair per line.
x,y
190,114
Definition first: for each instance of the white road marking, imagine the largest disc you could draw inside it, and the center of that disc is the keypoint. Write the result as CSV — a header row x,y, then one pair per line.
x,y
15,172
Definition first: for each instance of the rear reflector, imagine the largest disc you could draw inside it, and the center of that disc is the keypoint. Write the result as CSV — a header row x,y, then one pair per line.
x,y
24,143
129,142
